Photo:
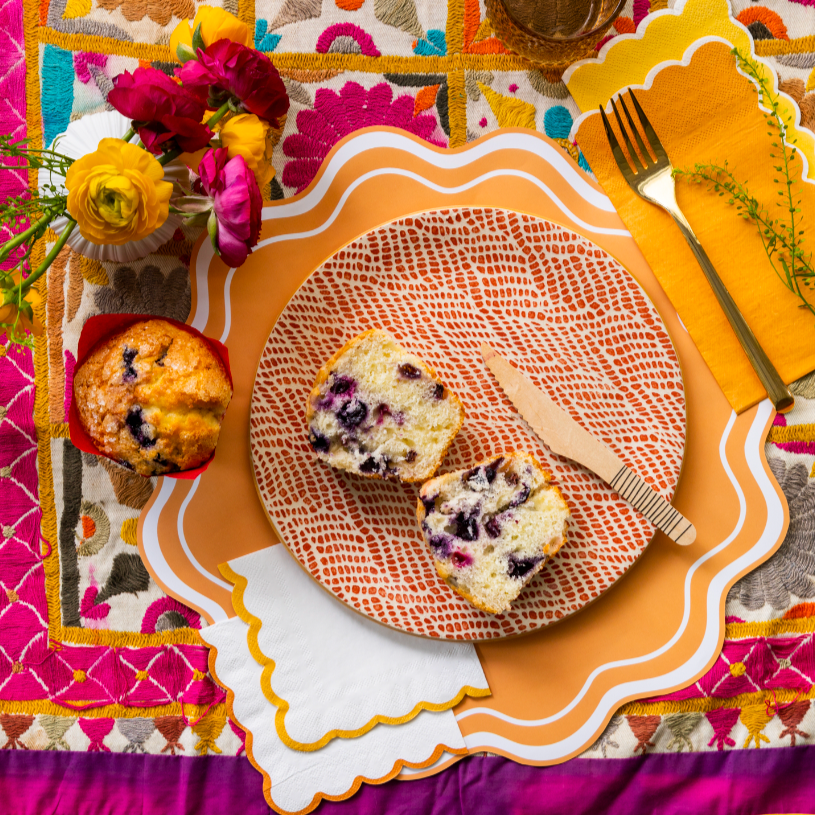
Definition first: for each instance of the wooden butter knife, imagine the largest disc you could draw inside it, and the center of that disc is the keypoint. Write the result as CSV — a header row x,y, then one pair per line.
x,y
565,437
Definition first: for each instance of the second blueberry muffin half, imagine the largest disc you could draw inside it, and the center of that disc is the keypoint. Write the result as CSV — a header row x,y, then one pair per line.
x,y
491,528
378,411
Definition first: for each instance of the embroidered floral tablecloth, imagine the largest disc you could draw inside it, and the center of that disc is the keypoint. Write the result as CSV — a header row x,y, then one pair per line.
x,y
80,618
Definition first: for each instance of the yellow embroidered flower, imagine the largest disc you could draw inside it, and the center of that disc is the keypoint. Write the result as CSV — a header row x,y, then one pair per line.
x,y
216,24
117,194
248,136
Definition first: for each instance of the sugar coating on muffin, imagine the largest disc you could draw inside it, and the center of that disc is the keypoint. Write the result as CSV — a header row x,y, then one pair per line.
x,y
491,528
152,397
378,411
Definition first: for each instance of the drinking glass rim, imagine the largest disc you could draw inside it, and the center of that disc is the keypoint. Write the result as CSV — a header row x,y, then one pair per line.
x,y
576,38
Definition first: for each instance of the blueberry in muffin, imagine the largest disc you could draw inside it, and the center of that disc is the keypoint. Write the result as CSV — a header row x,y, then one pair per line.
x,y
491,528
378,411
152,397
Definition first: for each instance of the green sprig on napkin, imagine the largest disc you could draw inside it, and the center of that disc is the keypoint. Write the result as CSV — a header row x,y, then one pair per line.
x,y
782,237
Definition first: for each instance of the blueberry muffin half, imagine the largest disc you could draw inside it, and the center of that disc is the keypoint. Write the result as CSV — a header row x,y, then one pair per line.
x,y
491,528
379,411
152,397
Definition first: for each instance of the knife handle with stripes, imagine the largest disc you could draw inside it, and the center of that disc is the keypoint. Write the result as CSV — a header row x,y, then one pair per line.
x,y
653,506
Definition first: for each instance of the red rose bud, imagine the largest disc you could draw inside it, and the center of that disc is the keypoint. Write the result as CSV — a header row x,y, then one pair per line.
x,y
237,204
162,111
235,70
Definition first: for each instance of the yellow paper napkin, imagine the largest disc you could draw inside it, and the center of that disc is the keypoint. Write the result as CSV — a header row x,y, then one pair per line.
x,y
707,111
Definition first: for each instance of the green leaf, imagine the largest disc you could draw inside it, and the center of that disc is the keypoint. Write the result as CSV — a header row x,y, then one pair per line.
x,y
198,40
199,219
185,53
212,230
191,204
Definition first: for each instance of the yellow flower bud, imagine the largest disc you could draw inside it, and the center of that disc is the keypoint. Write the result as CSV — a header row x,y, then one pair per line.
x,y
216,24
26,311
248,136
9,312
182,35
117,194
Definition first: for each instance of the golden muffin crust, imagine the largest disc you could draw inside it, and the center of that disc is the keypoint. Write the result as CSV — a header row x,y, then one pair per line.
x,y
152,397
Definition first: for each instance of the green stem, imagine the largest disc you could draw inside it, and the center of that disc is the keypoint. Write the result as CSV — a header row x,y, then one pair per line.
x,y
23,237
168,157
755,212
218,115
791,247
129,135
23,260
24,285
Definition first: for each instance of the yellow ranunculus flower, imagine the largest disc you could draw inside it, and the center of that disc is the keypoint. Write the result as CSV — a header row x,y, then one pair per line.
x,y
216,24
248,136
117,194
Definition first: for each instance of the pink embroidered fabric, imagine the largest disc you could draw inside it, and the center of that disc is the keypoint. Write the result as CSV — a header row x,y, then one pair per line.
x,y
32,668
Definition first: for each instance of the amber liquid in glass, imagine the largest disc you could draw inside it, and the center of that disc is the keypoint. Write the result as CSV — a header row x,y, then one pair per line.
x,y
555,18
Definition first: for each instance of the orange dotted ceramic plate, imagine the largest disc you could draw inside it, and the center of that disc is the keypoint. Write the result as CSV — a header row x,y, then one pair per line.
x,y
559,307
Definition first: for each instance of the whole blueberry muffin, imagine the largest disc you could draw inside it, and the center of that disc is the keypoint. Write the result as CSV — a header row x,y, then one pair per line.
x,y
380,412
152,397
491,528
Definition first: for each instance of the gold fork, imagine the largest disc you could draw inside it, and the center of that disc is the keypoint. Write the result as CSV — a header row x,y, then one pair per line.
x,y
652,179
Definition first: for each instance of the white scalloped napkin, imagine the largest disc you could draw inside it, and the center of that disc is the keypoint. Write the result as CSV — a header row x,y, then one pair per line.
x,y
295,781
332,672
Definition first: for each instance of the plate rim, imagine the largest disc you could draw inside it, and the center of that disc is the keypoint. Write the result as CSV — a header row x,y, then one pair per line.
x,y
498,637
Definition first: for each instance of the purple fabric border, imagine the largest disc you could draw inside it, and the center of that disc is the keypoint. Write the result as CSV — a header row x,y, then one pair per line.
x,y
740,782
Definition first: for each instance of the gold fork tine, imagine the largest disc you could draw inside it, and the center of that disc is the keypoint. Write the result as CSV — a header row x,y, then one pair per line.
x,y
631,151
650,133
646,156
616,150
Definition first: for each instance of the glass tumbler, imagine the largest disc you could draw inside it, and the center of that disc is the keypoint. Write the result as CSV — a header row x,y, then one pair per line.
x,y
552,33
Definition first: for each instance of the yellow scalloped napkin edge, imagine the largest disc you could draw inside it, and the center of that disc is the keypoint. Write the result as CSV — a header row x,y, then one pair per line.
x,y
706,111
385,662
294,782
664,35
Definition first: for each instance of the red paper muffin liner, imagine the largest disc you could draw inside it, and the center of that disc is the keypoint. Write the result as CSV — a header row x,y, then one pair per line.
x,y
100,328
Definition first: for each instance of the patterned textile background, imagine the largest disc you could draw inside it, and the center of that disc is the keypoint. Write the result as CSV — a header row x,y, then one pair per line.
x,y
93,656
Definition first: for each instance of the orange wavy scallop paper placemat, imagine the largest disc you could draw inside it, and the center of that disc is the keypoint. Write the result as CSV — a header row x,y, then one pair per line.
x,y
717,120
662,624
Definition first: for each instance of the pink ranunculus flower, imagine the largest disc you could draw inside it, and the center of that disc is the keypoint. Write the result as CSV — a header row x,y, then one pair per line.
x,y
236,200
231,69
162,111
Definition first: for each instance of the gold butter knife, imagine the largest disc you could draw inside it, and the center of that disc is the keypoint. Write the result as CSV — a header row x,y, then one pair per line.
x,y
565,437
